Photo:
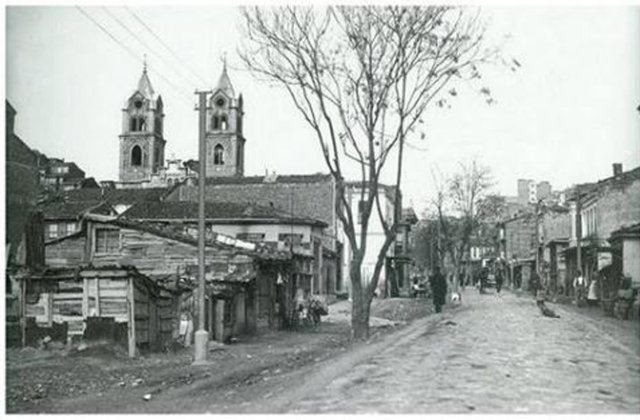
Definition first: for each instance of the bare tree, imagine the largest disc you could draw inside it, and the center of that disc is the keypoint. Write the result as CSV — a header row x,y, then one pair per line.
x,y
361,77
464,209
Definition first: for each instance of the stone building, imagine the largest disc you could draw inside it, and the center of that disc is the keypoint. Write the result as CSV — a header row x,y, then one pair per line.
x,y
224,138
142,141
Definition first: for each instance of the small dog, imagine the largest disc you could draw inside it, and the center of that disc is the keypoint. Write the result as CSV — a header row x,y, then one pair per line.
x,y
456,298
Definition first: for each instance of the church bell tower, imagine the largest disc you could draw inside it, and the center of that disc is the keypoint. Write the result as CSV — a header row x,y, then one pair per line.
x,y
224,140
142,141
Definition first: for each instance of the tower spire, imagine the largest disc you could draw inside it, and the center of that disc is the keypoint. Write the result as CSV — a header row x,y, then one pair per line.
x,y
224,83
144,63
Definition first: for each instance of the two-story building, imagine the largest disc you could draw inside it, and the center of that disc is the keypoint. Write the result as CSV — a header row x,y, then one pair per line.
x,y
598,210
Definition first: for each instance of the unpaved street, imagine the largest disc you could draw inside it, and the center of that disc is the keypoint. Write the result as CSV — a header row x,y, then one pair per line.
x,y
492,354
497,354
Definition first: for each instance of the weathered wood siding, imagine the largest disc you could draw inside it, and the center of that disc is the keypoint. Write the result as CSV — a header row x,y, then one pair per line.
x,y
66,253
157,256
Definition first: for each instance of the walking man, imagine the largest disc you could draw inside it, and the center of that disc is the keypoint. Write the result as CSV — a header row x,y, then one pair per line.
x,y
498,279
438,288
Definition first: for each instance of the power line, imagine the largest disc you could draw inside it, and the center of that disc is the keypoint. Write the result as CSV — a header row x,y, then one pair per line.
x,y
181,61
144,44
132,53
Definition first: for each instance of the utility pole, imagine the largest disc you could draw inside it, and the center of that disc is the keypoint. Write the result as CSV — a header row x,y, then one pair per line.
x,y
201,336
578,230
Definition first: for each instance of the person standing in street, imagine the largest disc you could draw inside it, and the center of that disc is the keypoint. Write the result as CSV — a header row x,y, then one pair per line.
x,y
499,279
579,285
438,288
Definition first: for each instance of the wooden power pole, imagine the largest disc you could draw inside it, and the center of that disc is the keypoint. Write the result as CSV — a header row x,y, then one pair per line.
x,y
201,335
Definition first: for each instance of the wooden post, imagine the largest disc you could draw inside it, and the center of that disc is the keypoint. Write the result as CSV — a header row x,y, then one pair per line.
x,y
239,325
211,317
219,330
251,310
131,315
85,298
23,311
97,296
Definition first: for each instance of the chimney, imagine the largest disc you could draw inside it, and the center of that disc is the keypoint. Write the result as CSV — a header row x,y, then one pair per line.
x,y
617,169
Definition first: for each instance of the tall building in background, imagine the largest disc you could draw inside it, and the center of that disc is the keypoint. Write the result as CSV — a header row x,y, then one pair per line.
x,y
141,142
225,142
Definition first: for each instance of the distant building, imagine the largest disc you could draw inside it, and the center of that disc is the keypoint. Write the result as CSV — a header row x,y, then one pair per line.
x,y
58,175
21,183
299,196
598,210
142,141
530,192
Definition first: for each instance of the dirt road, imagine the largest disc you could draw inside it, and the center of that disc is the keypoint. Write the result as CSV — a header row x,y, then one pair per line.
x,y
492,354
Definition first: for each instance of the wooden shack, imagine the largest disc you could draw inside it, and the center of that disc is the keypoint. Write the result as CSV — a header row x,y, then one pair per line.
x,y
91,303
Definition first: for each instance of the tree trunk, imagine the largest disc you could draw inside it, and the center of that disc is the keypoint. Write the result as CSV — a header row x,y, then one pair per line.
x,y
359,306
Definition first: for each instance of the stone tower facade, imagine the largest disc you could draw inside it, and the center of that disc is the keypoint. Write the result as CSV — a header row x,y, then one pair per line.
x,y
142,141
225,143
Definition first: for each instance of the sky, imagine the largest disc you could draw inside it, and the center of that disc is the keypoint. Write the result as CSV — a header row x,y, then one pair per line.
x,y
565,116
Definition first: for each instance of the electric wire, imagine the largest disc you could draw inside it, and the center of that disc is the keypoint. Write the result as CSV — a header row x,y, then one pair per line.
x,y
152,32
134,55
145,45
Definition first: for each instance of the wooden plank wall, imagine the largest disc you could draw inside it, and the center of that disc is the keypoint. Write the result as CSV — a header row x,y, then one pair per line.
x,y
156,256
67,253
76,300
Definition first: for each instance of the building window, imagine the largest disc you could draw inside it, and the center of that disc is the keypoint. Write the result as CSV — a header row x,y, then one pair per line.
x,y
136,156
107,241
137,124
66,229
157,125
290,239
215,123
52,231
218,155
223,122
251,237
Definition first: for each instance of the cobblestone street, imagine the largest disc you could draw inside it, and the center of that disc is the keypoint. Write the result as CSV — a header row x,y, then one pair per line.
x,y
495,354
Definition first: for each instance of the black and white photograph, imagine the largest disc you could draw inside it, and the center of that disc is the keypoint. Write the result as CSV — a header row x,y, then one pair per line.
x,y
330,208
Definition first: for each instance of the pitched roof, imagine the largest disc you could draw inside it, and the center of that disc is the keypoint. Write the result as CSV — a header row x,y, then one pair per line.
x,y
144,85
219,211
277,179
224,84
64,210
261,251
117,196
626,231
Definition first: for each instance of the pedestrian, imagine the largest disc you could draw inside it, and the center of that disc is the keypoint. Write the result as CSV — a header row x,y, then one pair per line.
x,y
499,280
579,285
438,288
592,295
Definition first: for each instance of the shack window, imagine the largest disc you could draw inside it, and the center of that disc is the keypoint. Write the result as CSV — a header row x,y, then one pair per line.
x,y
290,239
52,231
251,237
107,241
